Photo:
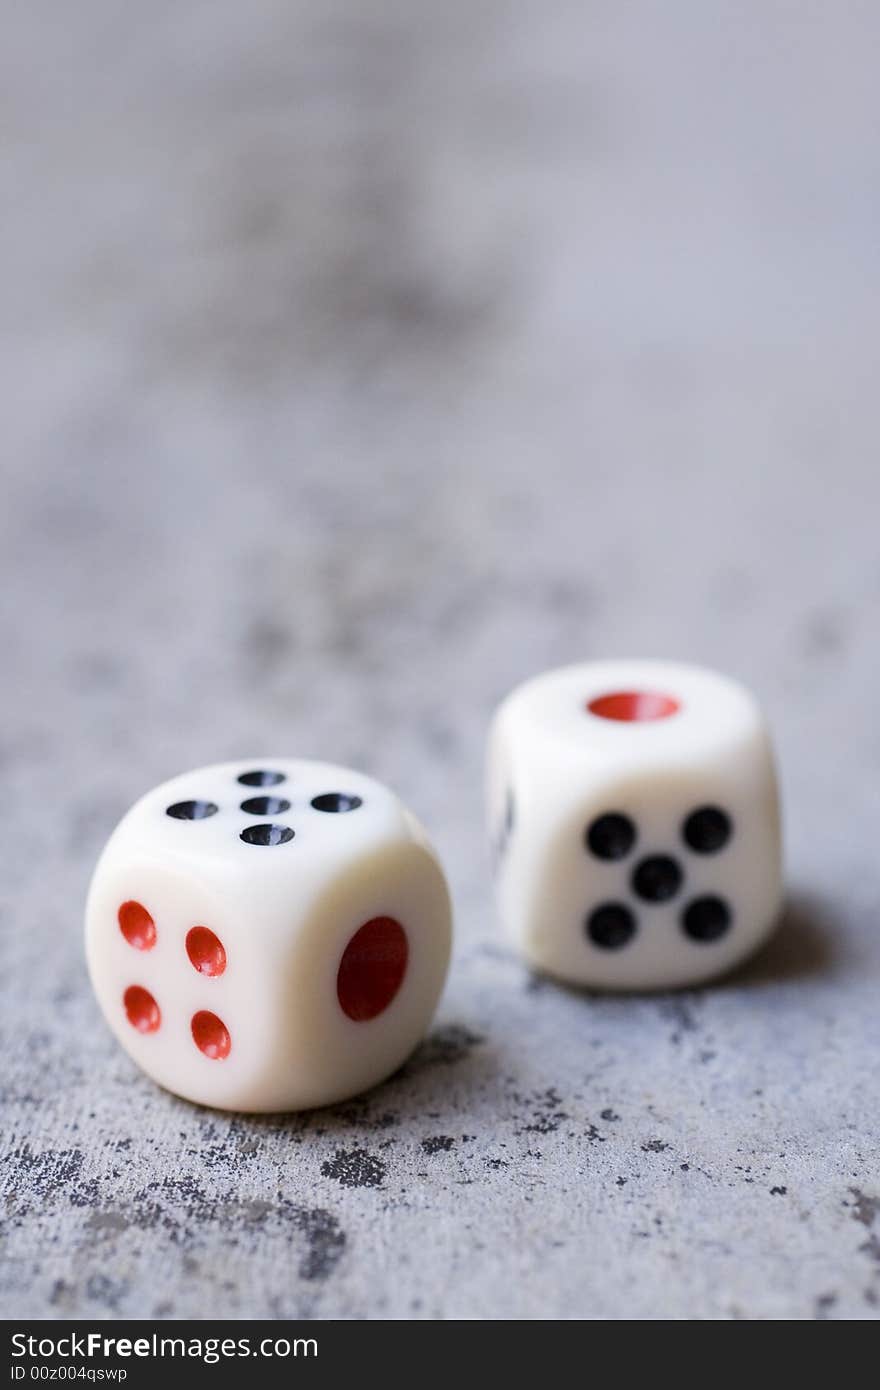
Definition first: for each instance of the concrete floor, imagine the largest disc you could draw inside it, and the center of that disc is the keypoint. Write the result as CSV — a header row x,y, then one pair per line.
x,y
358,362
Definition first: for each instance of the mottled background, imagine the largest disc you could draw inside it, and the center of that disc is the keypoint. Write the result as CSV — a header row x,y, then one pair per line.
x,y
359,360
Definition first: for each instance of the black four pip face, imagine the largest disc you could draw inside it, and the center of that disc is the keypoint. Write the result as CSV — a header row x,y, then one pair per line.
x,y
656,878
374,962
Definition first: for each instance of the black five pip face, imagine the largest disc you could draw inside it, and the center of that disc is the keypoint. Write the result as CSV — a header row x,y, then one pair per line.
x,y
657,878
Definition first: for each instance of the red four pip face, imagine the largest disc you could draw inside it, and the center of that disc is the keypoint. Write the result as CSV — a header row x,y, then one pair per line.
x,y
373,964
257,913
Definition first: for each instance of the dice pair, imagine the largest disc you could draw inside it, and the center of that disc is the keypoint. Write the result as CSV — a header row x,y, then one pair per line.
x,y
275,935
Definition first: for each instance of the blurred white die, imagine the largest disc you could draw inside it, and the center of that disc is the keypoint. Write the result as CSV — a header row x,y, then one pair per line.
x,y
634,817
269,935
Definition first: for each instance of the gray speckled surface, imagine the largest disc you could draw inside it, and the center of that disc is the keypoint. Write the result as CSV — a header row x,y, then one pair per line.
x,y
359,361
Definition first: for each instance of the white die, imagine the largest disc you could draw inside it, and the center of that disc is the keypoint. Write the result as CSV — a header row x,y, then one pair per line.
x,y
634,817
268,935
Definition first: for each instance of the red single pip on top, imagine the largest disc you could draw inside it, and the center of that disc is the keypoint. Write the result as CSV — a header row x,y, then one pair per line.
x,y
634,812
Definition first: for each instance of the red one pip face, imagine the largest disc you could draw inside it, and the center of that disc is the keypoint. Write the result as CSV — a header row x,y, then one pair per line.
x,y
635,822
